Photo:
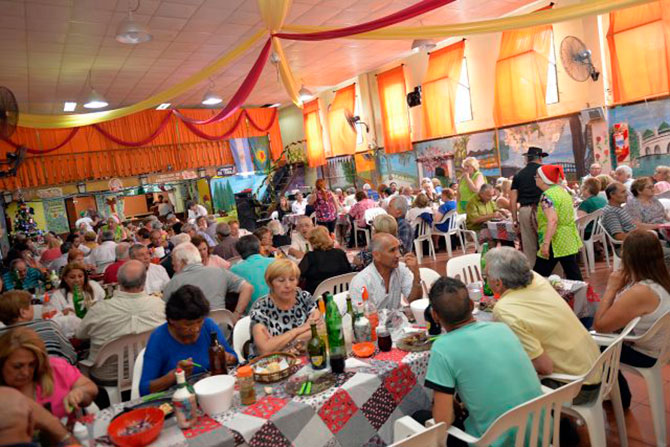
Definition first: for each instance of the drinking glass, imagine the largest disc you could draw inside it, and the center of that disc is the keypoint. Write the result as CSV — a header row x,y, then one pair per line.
x,y
475,291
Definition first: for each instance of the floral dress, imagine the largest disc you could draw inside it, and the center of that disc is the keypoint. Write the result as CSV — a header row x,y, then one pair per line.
x,y
324,207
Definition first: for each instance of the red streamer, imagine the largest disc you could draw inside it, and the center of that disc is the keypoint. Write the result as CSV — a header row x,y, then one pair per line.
x,y
201,134
263,129
67,139
147,140
417,9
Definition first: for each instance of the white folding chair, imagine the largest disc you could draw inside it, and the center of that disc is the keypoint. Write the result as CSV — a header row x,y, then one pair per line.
x,y
416,435
125,349
225,320
366,232
525,418
137,375
588,249
606,368
453,229
313,217
666,204
423,234
612,244
428,278
336,284
466,267
274,215
241,335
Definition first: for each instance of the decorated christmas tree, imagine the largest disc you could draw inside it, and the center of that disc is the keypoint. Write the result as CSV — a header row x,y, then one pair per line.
x,y
24,221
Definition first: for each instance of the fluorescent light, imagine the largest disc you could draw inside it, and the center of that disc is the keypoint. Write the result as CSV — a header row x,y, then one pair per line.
x,y
277,104
165,105
69,106
211,98
96,101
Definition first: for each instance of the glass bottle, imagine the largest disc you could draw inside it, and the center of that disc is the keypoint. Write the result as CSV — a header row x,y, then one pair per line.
x,y
348,328
78,301
316,349
370,313
323,333
487,289
335,335
48,309
184,403
245,378
217,356
362,328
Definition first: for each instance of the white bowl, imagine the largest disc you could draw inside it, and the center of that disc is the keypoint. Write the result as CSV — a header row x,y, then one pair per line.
x,y
215,393
418,307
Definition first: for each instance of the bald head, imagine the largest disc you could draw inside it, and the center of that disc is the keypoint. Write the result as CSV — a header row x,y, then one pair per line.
x,y
16,420
132,276
385,250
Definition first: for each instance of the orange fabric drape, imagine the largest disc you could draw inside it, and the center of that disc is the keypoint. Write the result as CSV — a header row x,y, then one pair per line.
x,y
521,75
395,116
639,44
316,155
342,135
439,90
261,117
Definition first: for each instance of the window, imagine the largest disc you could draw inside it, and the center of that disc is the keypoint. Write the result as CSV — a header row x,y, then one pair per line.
x,y
552,78
463,102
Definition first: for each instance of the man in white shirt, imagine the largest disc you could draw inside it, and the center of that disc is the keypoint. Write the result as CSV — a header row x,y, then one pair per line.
x,y
105,253
195,210
157,277
299,243
594,171
350,199
299,205
130,311
402,280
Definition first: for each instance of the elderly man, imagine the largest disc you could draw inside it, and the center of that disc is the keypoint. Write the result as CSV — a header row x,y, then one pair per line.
x,y
480,209
398,208
552,336
253,266
299,238
624,174
121,257
350,198
616,220
21,276
594,171
214,282
385,278
177,239
105,253
226,246
189,229
202,224
156,277
158,245
473,359
130,311
299,204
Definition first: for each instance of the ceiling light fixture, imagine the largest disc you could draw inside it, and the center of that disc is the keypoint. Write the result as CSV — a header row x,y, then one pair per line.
x,y
211,98
423,45
95,100
130,31
69,106
163,106
304,94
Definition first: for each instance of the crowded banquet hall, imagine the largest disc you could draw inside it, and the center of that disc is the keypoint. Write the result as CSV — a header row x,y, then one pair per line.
x,y
271,222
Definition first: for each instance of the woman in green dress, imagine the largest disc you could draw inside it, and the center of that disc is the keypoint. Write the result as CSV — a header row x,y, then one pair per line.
x,y
470,182
558,237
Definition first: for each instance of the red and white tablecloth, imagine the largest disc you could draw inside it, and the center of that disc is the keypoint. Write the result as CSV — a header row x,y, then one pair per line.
x,y
502,230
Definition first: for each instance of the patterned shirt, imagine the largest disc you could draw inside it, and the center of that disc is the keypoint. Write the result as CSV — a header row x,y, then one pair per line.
x,y
357,211
405,234
651,213
278,321
52,336
617,220
565,240
31,280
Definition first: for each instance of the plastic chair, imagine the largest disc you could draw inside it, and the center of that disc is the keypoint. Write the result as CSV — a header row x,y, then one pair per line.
x,y
428,278
366,232
588,249
467,268
125,349
666,204
420,436
611,244
274,215
336,284
137,375
225,320
371,213
606,368
241,335
453,229
462,219
548,405
423,234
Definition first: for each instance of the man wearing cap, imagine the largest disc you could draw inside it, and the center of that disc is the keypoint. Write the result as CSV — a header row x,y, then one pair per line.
x,y
526,194
557,232
226,245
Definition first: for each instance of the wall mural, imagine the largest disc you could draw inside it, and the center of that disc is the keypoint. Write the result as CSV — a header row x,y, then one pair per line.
x,y
225,188
399,168
340,172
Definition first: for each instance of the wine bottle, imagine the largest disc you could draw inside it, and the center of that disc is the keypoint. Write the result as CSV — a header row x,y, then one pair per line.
x,y
316,349
335,335
217,356
78,301
487,290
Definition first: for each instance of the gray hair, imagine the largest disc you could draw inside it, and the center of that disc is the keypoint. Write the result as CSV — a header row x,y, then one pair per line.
x,y
187,253
132,251
351,190
485,187
223,229
132,275
626,169
510,266
248,245
121,250
180,238
107,235
156,225
187,227
399,203
379,241
275,227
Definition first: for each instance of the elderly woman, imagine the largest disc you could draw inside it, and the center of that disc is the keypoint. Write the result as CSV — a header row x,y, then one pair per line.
x,y
325,205
643,207
53,249
113,226
591,199
662,174
265,236
605,180
383,223
323,261
51,381
281,320
470,183
558,237
209,260
640,289
74,275
420,206
182,342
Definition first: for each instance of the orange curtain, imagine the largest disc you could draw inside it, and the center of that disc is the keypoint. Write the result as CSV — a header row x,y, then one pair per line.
x,y
639,44
316,156
521,75
439,90
342,135
262,119
395,116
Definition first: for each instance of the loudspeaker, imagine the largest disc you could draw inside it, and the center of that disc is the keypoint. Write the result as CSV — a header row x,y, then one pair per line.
x,y
246,210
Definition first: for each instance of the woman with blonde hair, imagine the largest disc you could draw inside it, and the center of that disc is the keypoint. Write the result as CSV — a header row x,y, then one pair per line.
x,y
324,261
503,200
281,320
53,249
470,182
50,381
325,205
604,180
420,205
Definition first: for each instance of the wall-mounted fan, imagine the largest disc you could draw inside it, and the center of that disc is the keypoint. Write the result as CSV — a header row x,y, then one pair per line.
x,y
576,59
355,120
9,116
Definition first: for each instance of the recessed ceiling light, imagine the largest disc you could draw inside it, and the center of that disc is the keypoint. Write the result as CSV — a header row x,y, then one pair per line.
x,y
165,105
69,106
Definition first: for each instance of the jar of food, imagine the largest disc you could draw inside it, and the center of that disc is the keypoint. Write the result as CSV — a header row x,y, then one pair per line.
x,y
245,378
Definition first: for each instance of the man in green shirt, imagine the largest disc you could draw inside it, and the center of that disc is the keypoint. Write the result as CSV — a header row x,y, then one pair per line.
x,y
253,266
481,208
483,362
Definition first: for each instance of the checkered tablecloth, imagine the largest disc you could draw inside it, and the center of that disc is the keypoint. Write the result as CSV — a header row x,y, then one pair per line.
x,y
502,231
359,411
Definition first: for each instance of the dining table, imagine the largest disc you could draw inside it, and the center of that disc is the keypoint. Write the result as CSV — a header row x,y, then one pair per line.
x,y
502,230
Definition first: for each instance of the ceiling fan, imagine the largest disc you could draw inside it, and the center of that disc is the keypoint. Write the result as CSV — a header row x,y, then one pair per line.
x,y
9,116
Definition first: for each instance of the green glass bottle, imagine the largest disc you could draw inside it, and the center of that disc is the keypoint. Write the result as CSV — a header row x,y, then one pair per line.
x,y
78,301
350,310
335,335
316,349
487,290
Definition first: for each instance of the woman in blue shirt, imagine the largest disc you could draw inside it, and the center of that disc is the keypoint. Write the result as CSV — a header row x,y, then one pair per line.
x,y
448,204
181,342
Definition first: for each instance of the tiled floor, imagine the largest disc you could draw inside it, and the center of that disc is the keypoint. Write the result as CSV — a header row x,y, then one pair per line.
x,y
639,425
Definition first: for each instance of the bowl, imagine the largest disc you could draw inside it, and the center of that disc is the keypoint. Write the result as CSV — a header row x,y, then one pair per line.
x,y
215,393
418,307
152,423
364,349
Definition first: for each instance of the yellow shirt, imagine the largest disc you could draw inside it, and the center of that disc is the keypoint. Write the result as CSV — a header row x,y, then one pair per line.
x,y
476,209
544,322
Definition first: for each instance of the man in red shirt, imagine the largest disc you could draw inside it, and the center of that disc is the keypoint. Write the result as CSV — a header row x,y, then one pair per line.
x,y
121,258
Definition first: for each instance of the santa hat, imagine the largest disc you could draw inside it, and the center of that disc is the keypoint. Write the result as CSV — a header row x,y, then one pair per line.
x,y
551,174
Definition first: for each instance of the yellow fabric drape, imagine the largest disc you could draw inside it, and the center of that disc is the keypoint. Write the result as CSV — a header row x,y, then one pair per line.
x,y
439,90
85,119
395,117
342,135
570,12
316,155
639,44
521,75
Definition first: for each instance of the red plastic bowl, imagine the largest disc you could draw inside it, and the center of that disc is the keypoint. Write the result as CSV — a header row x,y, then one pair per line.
x,y
154,418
